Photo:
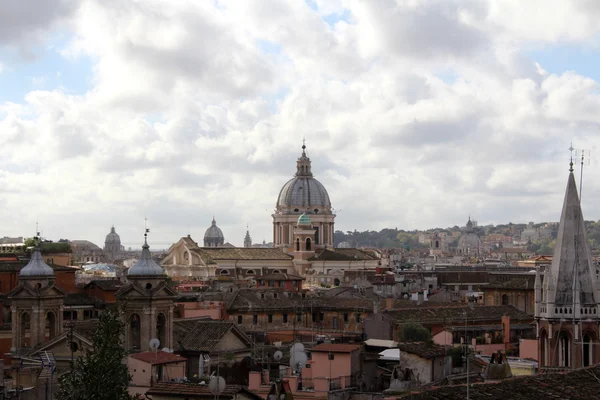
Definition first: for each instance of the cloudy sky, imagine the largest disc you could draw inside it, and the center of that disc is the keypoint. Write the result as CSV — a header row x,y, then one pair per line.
x,y
416,114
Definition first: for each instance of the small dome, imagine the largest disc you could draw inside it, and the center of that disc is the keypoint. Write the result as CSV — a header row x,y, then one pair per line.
x,y
214,232
146,265
112,237
36,266
304,220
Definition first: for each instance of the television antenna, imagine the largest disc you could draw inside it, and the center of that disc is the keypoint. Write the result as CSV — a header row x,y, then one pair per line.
x,y
154,344
47,364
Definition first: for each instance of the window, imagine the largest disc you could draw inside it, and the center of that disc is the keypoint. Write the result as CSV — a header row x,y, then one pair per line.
x,y
274,295
240,319
357,318
285,318
270,318
255,319
345,317
271,283
321,317
308,244
297,244
261,282
299,317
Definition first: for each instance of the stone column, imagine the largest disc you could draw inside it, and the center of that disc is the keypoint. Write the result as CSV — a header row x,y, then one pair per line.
x,y
16,329
34,326
169,329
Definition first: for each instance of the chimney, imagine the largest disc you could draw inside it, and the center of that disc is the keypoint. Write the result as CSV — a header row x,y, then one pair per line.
x,y
506,331
389,303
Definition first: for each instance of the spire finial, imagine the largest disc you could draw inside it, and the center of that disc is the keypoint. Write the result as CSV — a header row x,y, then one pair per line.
x,y
571,148
146,230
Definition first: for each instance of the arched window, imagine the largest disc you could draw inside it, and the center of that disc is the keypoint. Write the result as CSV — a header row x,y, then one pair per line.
x,y
276,271
298,244
587,350
437,244
161,325
51,325
25,331
336,282
543,349
134,332
224,272
504,299
250,272
308,244
564,349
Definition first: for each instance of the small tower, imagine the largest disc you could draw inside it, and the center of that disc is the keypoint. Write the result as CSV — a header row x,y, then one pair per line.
x,y
568,304
148,304
435,245
247,238
37,304
304,243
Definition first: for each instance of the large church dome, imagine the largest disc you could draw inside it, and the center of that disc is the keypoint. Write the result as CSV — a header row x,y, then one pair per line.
x,y
303,193
112,237
214,235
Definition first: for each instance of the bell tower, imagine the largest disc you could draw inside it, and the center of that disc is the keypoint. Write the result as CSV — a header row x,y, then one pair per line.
x,y
148,304
37,304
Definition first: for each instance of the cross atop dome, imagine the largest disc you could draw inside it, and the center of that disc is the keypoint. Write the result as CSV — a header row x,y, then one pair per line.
x,y
303,164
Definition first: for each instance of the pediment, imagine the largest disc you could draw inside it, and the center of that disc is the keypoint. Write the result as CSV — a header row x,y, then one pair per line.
x,y
59,346
130,290
26,291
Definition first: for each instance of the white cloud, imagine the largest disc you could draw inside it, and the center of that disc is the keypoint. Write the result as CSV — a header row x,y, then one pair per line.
x,y
416,115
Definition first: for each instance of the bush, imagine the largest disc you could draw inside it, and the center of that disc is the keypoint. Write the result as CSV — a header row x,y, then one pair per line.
x,y
414,332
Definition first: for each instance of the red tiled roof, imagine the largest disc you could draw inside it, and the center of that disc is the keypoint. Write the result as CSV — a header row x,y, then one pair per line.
x,y
198,391
336,347
159,357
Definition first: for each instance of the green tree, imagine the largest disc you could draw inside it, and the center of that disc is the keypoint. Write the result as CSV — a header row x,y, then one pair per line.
x,y
101,373
414,332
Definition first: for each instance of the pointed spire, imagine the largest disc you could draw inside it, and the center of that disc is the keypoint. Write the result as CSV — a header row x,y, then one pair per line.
x,y
146,265
572,273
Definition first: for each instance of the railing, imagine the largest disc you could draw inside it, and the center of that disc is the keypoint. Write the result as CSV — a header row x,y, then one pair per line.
x,y
306,384
335,383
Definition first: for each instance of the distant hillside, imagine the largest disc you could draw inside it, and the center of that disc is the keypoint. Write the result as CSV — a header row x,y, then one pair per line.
x,y
398,238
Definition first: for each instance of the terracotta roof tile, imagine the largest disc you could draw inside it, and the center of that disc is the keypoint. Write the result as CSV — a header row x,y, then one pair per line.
x,y
191,390
579,384
424,350
159,357
335,348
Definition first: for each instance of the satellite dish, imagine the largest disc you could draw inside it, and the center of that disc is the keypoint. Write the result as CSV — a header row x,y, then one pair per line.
x,y
154,344
278,355
298,360
297,348
216,385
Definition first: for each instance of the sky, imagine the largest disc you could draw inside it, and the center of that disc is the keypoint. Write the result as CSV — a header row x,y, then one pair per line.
x,y
417,113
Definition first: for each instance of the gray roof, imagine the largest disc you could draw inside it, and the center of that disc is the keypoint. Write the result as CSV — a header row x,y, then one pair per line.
x,y
214,232
36,266
113,237
303,191
572,253
145,265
